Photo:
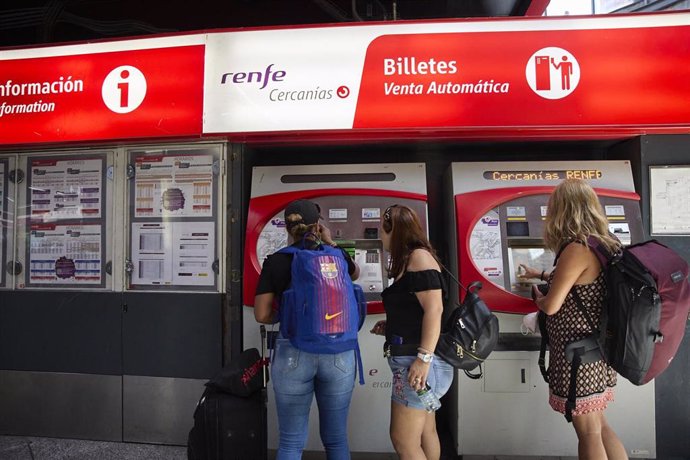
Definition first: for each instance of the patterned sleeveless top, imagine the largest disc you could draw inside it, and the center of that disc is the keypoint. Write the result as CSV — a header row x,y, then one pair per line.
x,y
594,380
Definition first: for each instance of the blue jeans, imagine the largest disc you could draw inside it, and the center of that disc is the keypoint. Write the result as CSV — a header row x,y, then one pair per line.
x,y
297,376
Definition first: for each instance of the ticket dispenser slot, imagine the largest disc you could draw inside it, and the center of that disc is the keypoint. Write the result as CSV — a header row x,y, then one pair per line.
x,y
531,253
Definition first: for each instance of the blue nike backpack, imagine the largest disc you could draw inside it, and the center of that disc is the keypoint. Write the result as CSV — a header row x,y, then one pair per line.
x,y
322,310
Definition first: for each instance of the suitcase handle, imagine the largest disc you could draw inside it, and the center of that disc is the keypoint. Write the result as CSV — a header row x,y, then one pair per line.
x,y
262,328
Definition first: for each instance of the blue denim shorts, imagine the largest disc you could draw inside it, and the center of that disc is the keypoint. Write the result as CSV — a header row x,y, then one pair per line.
x,y
439,379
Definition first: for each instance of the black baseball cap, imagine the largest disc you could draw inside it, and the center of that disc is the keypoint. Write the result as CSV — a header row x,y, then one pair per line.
x,y
310,211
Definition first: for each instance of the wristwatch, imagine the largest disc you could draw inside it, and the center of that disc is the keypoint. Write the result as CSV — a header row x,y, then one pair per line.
x,y
425,357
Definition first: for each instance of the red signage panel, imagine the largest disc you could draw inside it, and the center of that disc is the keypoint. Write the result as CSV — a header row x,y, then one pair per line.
x,y
549,78
110,95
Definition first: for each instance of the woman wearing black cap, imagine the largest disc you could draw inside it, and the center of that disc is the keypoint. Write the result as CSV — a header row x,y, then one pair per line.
x,y
298,375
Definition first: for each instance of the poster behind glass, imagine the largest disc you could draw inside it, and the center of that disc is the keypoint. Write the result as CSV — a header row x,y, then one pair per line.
x,y
173,253
173,186
61,254
67,188
173,219
65,233
668,202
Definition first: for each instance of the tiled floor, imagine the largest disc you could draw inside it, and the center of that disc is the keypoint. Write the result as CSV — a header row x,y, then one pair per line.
x,y
34,448
30,448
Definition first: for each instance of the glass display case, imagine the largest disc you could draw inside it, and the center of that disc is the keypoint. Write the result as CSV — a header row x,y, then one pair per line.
x,y
173,218
65,221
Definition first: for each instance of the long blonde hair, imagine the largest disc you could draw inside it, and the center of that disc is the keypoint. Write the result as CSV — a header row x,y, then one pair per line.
x,y
574,213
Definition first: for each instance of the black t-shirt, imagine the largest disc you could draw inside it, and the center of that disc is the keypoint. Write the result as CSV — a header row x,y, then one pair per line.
x,y
404,313
276,273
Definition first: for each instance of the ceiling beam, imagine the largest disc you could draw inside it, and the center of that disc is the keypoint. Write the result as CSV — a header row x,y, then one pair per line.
x,y
333,10
537,7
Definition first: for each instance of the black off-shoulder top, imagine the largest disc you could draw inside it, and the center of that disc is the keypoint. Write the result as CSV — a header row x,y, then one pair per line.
x,y
404,313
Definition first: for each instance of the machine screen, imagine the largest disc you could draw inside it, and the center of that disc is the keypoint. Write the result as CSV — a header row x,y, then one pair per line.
x,y
517,228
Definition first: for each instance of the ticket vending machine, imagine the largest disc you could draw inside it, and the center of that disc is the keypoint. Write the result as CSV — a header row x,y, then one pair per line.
x,y
352,199
498,212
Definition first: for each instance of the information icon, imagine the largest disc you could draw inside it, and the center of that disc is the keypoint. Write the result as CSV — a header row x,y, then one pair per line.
x,y
124,89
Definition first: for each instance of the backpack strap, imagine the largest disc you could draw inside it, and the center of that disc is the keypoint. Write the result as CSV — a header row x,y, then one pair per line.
x,y
541,319
360,366
604,256
475,376
457,281
572,389
583,310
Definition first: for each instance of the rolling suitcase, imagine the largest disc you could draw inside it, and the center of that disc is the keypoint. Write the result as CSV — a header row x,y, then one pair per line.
x,y
229,427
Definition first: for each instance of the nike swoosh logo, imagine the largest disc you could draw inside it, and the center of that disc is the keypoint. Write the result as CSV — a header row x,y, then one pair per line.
x,y
330,317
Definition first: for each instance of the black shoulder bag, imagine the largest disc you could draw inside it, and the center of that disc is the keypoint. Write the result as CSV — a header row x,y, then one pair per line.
x,y
470,332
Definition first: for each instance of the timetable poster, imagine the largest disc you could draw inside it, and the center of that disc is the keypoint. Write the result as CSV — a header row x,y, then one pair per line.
x,y
669,203
173,253
69,188
65,254
173,186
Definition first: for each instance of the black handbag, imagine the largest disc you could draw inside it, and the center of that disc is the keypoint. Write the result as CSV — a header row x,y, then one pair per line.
x,y
243,376
470,332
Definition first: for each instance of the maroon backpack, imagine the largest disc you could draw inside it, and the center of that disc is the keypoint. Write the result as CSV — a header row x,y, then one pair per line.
x,y
643,320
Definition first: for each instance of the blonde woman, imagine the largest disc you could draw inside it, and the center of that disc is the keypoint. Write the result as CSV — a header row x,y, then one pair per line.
x,y
574,214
